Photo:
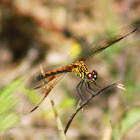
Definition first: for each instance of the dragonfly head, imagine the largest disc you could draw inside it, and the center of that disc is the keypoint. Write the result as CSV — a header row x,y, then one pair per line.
x,y
91,77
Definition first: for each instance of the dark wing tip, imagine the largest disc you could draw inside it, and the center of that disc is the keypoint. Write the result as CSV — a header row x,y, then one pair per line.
x,y
127,30
136,27
25,112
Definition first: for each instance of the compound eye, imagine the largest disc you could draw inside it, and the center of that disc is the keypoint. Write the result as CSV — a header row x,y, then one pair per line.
x,y
94,74
89,76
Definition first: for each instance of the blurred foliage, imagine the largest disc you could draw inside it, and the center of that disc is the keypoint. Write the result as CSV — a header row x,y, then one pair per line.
x,y
8,115
8,121
127,122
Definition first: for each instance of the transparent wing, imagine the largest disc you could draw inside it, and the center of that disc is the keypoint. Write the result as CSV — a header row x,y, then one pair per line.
x,y
35,97
34,83
105,41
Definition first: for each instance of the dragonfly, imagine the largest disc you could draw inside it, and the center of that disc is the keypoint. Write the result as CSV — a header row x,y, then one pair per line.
x,y
40,84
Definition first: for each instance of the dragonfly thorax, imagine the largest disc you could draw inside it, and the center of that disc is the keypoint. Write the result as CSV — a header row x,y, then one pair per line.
x,y
80,69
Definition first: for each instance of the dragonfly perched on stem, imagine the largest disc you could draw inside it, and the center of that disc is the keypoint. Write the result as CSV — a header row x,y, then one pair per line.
x,y
40,84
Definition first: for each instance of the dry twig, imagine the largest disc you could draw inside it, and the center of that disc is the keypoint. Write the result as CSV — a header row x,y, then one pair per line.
x,y
93,95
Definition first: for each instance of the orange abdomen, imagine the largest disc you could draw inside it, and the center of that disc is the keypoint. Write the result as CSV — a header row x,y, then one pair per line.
x,y
67,68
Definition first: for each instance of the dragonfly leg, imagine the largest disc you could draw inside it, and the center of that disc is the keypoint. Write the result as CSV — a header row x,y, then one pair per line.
x,y
81,95
97,85
87,84
94,90
82,90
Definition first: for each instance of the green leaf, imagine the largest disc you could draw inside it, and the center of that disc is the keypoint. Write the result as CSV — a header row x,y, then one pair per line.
x,y
8,121
7,100
128,121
